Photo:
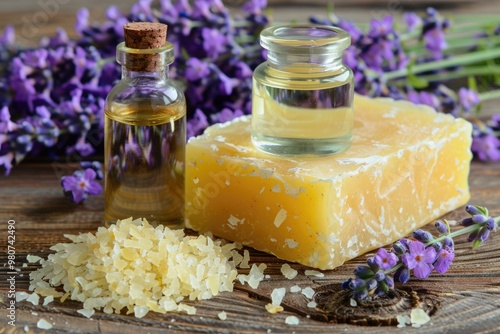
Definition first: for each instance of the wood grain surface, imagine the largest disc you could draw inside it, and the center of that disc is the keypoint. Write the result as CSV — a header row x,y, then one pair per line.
x,y
467,297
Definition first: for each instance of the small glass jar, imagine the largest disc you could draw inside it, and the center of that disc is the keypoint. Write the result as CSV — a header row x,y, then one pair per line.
x,y
302,100
145,138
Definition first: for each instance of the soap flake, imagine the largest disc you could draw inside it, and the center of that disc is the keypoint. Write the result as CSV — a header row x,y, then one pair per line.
x,y
280,217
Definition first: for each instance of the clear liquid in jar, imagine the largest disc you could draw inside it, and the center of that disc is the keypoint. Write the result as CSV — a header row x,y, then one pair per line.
x,y
309,119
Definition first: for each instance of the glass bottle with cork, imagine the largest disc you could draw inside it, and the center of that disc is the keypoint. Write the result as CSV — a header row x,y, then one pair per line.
x,y
145,132
302,99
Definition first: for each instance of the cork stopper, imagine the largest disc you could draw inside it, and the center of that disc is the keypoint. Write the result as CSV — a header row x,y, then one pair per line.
x,y
144,35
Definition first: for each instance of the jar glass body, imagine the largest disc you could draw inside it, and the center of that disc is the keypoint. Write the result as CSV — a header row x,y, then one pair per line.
x,y
145,139
302,95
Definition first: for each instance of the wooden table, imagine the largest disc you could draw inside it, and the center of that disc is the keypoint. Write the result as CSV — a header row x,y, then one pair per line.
x,y
466,299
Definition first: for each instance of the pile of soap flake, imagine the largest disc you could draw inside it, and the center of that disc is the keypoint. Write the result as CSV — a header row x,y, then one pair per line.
x,y
136,266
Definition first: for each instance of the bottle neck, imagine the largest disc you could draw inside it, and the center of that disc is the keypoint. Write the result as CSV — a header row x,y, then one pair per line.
x,y
303,49
145,63
161,73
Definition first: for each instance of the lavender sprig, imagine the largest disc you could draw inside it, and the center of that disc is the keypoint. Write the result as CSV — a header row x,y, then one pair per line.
x,y
418,255
52,96
419,63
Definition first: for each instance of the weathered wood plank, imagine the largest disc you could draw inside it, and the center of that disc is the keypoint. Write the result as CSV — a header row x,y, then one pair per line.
x,y
468,294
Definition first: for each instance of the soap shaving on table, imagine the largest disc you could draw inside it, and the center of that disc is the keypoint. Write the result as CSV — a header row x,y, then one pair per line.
x,y
134,266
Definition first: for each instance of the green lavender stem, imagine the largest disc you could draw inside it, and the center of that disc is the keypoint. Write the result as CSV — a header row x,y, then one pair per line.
x,y
463,73
494,94
457,43
451,235
457,60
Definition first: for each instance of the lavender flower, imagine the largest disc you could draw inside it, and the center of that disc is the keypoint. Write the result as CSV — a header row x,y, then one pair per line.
x,y
480,224
444,260
385,260
412,21
419,259
196,69
70,78
486,146
95,166
468,98
418,256
81,184
441,227
433,32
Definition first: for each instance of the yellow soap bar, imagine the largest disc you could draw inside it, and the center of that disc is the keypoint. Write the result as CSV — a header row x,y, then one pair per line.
x,y
407,166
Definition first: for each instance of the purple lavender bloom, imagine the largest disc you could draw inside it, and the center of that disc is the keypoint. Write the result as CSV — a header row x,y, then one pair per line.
x,y
359,287
214,42
495,121
183,6
363,272
412,21
444,260
196,124
113,13
399,248
448,243
61,38
6,125
422,235
94,165
479,236
420,259
196,69
8,39
351,57
437,246
381,28
81,184
468,98
413,96
201,9
82,20
254,6
441,227
402,275
226,115
491,224
6,162
82,147
435,41
226,83
385,260
475,210
479,218
487,147
243,70
352,29
429,99
142,11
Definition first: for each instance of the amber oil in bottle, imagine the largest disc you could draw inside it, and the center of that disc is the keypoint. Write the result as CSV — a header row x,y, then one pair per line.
x,y
145,131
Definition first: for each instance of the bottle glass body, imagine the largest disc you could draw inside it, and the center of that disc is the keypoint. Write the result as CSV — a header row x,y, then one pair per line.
x,y
302,95
145,139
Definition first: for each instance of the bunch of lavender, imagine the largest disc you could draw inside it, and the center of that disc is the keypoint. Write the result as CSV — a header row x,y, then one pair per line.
x,y
418,255
52,96
422,60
